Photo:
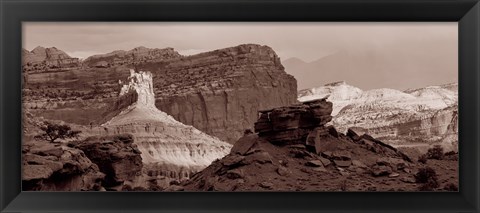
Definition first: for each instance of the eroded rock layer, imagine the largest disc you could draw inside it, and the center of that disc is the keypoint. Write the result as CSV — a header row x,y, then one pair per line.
x,y
217,92
167,146
134,56
43,59
416,116
220,92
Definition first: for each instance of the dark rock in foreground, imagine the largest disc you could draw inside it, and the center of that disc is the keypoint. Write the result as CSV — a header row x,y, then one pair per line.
x,y
116,156
54,167
295,150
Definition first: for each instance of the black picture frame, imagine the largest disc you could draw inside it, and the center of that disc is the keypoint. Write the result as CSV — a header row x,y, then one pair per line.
x,y
14,12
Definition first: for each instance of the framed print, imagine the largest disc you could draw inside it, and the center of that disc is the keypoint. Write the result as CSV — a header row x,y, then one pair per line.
x,y
298,106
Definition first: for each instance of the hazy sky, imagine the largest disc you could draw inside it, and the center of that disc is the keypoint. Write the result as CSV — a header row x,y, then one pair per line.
x,y
307,41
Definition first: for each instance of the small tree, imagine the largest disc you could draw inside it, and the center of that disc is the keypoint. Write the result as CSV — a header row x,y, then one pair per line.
x,y
53,132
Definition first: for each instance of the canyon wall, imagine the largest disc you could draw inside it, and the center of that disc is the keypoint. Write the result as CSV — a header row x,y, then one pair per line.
x,y
134,56
221,92
217,92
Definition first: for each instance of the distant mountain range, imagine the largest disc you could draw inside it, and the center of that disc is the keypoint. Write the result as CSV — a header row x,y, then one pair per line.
x,y
370,69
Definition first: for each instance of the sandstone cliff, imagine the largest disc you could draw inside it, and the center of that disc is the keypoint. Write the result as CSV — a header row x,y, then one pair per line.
x,y
43,59
134,56
220,92
167,146
217,92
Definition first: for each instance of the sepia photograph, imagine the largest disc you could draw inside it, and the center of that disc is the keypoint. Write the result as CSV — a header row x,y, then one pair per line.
x,y
240,106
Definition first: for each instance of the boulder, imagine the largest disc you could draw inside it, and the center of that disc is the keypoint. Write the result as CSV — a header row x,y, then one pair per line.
x,y
266,185
282,171
293,124
342,163
233,160
355,133
235,174
244,144
381,170
260,157
314,163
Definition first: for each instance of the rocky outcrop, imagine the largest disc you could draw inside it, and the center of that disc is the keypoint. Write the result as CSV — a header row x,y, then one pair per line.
x,y
134,56
43,59
220,92
317,158
292,124
54,167
167,146
116,156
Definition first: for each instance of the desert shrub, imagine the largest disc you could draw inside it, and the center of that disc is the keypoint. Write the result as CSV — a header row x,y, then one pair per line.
x,y
430,185
435,153
422,159
451,187
428,177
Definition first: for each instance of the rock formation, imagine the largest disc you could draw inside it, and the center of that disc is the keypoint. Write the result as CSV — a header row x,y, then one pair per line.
x,y
220,92
134,56
43,59
167,147
418,115
54,167
317,158
116,156
217,92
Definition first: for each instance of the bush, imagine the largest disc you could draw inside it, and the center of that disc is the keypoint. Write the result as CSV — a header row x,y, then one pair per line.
x,y
422,159
428,177
435,153
451,156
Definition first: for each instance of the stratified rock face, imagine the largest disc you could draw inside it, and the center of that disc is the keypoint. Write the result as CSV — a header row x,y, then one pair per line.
x,y
167,146
423,115
47,59
220,92
292,124
53,167
133,56
217,92
116,156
